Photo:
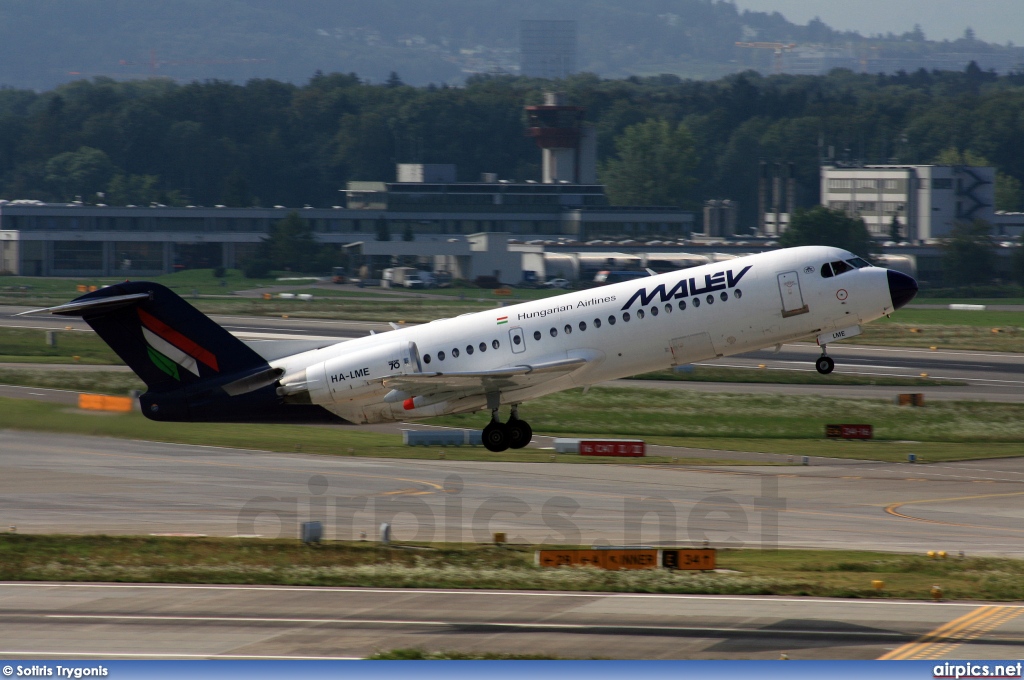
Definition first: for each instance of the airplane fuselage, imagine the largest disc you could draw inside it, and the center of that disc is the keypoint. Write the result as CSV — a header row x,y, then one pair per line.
x,y
616,331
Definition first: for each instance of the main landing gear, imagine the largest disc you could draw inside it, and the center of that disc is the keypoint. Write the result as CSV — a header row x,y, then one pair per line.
x,y
824,364
515,434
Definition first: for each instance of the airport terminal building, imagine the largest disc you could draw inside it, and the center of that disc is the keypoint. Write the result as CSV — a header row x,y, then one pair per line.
x,y
47,239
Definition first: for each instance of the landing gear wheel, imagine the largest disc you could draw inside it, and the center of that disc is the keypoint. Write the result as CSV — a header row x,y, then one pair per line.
x,y
520,433
824,365
496,437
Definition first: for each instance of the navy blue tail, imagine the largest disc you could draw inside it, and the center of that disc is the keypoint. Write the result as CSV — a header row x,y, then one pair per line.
x,y
169,343
194,369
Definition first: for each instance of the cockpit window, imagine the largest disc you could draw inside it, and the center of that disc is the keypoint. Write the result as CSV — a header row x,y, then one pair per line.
x,y
859,263
826,271
840,267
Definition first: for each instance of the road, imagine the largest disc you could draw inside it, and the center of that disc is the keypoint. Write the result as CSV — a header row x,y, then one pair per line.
x,y
77,484
112,621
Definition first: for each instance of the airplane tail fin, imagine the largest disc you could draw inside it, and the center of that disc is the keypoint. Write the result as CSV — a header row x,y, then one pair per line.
x,y
195,370
167,342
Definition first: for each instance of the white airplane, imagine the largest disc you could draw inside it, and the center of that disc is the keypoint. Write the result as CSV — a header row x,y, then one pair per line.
x,y
197,371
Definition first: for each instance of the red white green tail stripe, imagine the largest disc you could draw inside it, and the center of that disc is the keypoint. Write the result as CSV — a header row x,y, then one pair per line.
x,y
169,350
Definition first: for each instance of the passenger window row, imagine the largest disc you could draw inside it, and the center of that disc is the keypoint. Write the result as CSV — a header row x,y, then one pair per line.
x,y
568,328
640,314
482,347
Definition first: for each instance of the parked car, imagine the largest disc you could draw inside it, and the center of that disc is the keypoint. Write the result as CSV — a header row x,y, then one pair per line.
x,y
557,283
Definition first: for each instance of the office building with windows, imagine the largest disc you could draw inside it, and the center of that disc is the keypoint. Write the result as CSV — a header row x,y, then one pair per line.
x,y
927,200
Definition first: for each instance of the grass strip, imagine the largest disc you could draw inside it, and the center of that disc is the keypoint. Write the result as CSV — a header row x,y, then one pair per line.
x,y
101,382
820,573
29,345
650,414
18,414
942,431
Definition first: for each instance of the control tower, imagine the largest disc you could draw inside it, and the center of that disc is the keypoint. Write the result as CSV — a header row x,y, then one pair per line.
x,y
569,146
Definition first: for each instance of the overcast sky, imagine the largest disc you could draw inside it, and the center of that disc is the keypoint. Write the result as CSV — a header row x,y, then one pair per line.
x,y
996,21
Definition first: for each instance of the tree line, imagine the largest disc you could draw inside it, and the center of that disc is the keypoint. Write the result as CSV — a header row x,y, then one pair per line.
x,y
661,140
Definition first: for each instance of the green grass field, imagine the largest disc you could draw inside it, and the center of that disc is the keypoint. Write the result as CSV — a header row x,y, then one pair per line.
x,y
25,345
941,431
97,382
820,573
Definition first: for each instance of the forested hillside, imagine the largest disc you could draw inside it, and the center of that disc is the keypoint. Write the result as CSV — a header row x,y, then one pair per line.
x,y
44,43
268,142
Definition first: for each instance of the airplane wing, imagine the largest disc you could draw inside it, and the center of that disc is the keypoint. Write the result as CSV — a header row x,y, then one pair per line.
x,y
502,379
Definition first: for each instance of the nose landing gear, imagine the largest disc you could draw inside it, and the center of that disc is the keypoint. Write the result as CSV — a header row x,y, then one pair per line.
x,y
824,364
515,434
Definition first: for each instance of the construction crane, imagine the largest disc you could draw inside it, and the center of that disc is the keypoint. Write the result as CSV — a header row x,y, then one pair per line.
x,y
779,49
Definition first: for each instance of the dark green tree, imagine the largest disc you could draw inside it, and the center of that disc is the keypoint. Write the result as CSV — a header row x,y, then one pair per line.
x,y
1008,193
969,254
291,245
1017,265
654,165
81,173
821,226
133,190
895,229
236,190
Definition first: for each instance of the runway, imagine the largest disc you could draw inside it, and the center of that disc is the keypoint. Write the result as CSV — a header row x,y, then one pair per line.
x,y
170,621
78,484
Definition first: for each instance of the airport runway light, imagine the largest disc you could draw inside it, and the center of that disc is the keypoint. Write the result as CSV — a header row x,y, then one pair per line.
x,y
931,554
942,554
878,585
936,593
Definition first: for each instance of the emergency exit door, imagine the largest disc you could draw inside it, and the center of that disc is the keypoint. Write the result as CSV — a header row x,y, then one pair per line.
x,y
792,298
518,340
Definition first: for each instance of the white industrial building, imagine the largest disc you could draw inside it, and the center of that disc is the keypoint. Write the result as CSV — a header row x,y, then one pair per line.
x,y
926,199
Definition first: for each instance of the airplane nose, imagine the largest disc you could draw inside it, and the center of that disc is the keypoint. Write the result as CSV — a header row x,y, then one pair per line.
x,y
902,288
